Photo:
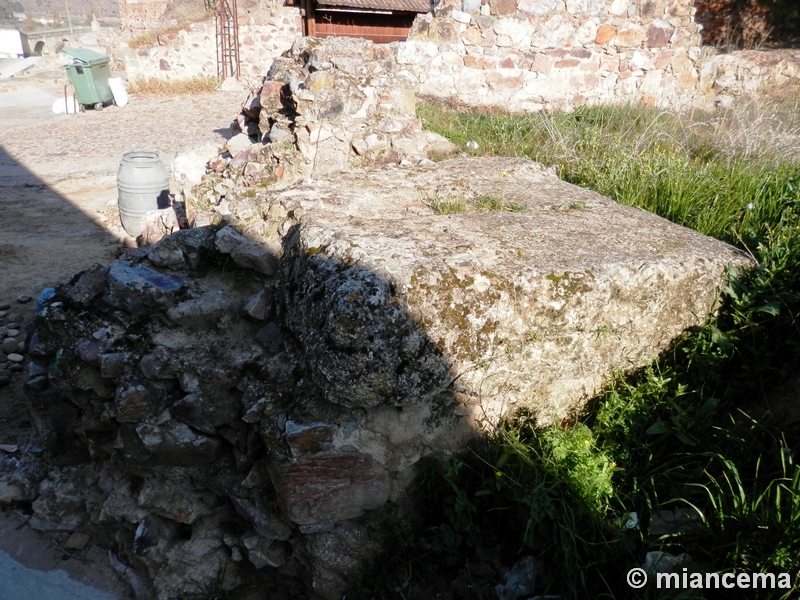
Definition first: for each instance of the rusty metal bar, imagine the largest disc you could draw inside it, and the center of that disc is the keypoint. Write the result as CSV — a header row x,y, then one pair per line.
x,y
227,20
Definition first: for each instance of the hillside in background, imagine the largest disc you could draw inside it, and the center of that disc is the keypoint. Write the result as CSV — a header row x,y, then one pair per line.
x,y
78,9
9,6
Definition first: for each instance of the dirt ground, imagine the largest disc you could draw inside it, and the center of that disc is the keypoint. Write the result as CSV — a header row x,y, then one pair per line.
x,y
57,217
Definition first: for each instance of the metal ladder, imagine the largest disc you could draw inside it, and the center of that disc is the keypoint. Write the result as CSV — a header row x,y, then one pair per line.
x,y
227,21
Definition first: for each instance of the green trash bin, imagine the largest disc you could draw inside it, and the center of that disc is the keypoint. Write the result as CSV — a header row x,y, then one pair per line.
x,y
89,74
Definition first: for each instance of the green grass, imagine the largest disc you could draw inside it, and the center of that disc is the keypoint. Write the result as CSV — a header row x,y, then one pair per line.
x,y
693,431
454,206
686,172
446,206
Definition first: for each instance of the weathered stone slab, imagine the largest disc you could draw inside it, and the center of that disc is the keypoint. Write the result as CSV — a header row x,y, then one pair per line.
x,y
174,443
393,303
90,284
174,497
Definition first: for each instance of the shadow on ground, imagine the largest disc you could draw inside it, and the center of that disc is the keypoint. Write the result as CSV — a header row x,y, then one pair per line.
x,y
44,240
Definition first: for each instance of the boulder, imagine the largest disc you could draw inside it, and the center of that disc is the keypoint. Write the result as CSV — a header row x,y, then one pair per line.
x,y
533,306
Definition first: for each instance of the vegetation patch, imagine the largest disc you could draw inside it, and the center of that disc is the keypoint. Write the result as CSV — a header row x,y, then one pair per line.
x,y
153,86
452,206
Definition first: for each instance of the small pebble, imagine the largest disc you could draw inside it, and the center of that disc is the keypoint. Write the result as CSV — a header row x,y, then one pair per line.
x,y
21,348
14,318
13,332
24,299
2,314
15,368
11,326
5,306
16,358
10,345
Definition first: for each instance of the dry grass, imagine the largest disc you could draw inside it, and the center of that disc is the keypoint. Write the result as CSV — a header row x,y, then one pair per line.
x,y
766,123
153,86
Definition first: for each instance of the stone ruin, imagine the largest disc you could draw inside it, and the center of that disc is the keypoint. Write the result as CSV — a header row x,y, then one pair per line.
x,y
324,107
227,408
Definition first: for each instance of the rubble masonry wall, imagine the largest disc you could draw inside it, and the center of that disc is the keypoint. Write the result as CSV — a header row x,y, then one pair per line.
x,y
519,54
531,54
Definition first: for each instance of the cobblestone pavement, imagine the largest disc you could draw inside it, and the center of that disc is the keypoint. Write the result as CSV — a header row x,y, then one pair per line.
x,y
92,143
58,179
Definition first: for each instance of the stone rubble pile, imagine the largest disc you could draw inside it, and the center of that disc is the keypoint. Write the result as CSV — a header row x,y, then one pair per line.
x,y
12,341
227,408
185,431
327,105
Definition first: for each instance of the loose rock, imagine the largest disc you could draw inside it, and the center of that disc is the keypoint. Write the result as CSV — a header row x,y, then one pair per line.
x,y
77,541
11,493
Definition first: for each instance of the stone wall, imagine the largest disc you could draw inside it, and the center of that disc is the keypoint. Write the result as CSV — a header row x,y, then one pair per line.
x,y
519,54
225,409
141,14
192,51
531,54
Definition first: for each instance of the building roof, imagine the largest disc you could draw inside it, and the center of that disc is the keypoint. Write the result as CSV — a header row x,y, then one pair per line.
x,y
402,5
